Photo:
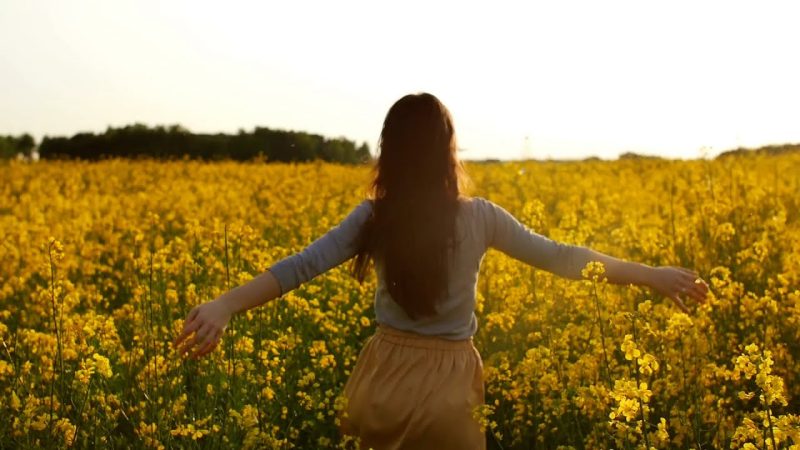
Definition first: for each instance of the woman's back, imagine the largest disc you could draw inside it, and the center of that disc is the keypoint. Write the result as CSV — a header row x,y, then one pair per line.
x,y
480,224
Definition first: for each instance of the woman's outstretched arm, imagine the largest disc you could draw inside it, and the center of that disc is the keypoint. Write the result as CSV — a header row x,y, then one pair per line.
x,y
209,320
509,235
676,283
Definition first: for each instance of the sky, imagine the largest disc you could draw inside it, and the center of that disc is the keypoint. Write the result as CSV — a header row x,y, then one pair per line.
x,y
527,79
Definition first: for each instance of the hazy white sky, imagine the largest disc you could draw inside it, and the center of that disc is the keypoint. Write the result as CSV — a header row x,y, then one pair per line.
x,y
554,79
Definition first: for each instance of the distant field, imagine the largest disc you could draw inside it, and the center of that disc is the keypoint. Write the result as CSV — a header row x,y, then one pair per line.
x,y
100,262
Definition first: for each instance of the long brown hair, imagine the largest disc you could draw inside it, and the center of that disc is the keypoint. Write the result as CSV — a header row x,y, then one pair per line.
x,y
417,181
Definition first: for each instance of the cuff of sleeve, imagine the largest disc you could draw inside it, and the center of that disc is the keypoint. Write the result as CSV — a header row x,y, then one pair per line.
x,y
283,272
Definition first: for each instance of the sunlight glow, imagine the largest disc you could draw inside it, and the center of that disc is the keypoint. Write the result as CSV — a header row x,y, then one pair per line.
x,y
522,79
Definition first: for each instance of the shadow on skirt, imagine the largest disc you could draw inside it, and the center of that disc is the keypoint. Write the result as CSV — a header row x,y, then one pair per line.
x,y
414,391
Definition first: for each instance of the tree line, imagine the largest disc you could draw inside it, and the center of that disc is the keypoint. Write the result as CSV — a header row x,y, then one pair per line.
x,y
175,142
10,146
777,149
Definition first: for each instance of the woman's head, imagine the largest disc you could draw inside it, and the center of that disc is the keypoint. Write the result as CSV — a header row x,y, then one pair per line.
x,y
417,181
417,149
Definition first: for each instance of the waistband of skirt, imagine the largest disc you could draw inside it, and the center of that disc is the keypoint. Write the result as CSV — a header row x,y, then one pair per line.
x,y
412,339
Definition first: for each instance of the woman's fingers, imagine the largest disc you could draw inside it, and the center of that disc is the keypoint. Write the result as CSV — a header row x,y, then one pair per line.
x,y
695,287
191,318
696,294
187,345
188,328
679,284
201,331
701,289
207,346
204,341
690,288
692,278
206,330
680,304
199,337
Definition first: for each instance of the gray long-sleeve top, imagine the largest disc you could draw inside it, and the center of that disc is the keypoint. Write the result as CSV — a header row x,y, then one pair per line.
x,y
480,224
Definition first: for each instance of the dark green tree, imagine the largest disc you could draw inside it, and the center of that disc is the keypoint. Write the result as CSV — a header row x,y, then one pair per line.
x,y
174,141
10,146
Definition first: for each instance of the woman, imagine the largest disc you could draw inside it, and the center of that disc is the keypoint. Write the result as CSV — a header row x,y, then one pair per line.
x,y
419,377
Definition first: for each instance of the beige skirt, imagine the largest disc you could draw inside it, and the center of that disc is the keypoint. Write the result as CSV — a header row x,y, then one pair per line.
x,y
413,391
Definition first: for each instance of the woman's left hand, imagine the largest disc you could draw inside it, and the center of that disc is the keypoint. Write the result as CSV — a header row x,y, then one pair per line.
x,y
678,283
207,321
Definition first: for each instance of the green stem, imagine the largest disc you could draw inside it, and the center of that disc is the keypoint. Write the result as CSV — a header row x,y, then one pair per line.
x,y
771,431
672,213
636,376
231,348
602,335
57,332
148,324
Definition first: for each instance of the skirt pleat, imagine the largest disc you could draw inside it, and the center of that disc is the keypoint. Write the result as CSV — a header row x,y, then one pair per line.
x,y
413,391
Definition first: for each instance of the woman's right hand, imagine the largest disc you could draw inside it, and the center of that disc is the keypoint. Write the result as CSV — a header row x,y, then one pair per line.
x,y
207,321
678,283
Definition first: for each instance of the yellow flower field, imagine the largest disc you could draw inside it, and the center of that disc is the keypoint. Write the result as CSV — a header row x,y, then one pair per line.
x,y
100,262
